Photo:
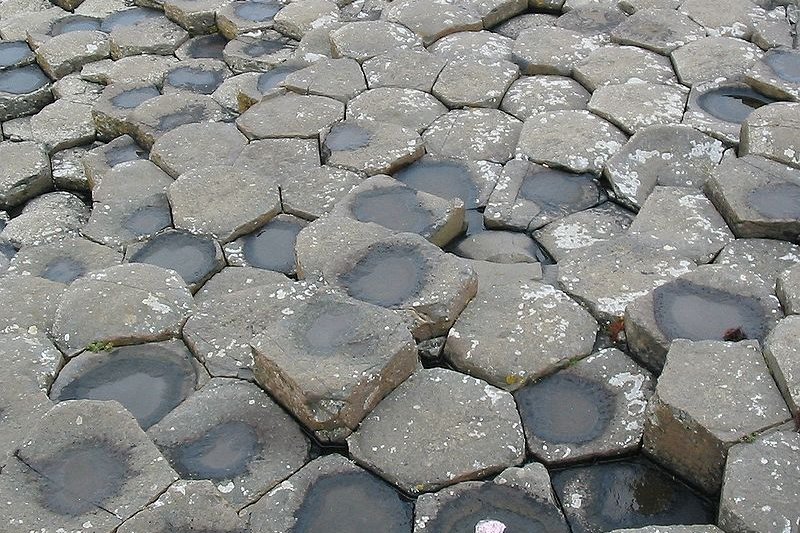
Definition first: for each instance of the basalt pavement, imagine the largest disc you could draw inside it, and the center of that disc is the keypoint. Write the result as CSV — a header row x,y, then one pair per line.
x,y
414,266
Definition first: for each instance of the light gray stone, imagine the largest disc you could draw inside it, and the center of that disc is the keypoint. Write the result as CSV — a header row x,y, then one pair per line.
x,y
512,27
657,29
63,124
633,106
235,278
74,88
191,147
432,20
365,40
771,131
234,19
370,147
767,258
551,50
408,69
35,302
474,83
195,16
280,157
729,18
298,18
70,51
146,68
409,108
63,261
783,358
788,290
68,171
257,54
314,192
155,35
24,172
47,218
714,57
772,75
471,181
340,79
476,134
28,99
290,116
473,45
530,95
163,113
111,112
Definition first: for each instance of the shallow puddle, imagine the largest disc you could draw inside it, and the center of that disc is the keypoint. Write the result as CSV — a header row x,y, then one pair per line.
x,y
148,220
134,97
356,502
784,64
331,327
22,80
272,246
386,276
63,270
223,452
74,23
684,310
559,191
446,179
629,493
191,256
396,208
195,79
128,17
732,104
272,78
564,408
79,479
780,201
493,508
346,137
263,47
124,153
12,53
207,46
257,11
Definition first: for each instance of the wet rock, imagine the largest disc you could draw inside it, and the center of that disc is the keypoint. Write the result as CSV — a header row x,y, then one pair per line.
x,y
777,74
63,124
247,54
474,83
270,247
714,57
528,196
433,20
195,16
370,147
608,275
23,91
34,303
330,359
290,116
710,303
550,50
15,54
473,45
582,229
84,462
507,348
340,79
482,134
471,181
331,492
519,497
759,491
47,218
232,279
233,434
280,157
530,95
68,52
247,16
313,193
222,201
633,106
405,107
192,147
151,35
627,494
385,201
700,410
166,370
24,172
365,40
202,46
576,140
659,30
138,303
781,353
757,197
672,529
202,76
731,18
766,258
672,155
484,423
63,261
112,110
163,113
190,505
771,132
507,247
147,68
295,20
788,290
68,171
409,69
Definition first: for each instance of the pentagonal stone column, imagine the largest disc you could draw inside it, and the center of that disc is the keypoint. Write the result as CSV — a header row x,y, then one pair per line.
x,y
782,354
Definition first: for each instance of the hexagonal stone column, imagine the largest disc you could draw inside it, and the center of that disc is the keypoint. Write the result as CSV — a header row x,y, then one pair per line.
x,y
714,57
782,354
767,258
483,134
24,172
516,329
788,290
773,74
659,30
634,105
370,147
290,115
85,462
482,433
772,131
195,146
761,488
613,64
711,395
367,39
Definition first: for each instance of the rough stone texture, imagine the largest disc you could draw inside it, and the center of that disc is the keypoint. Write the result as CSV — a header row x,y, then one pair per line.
x,y
24,172
47,218
633,106
329,359
771,131
760,488
63,124
298,18
234,278
365,40
409,108
700,410
473,45
156,35
290,116
68,52
484,434
341,79
757,197
432,20
483,134
157,116
783,358
111,112
193,15
551,50
659,30
478,83
147,68
100,160
137,303
191,147
788,290
530,95
36,300
471,181
409,69
545,330
767,258
733,18
714,57
768,77
35,97
613,64
370,147
61,260
576,140
68,171
673,155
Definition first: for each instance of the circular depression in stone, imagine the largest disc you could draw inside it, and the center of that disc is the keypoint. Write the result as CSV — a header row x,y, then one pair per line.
x,y
194,79
272,247
134,97
330,327
272,78
148,219
63,270
564,408
778,201
74,23
207,47
79,479
11,53
148,381
387,275
257,11
122,154
187,115
732,104
355,502
446,179
191,256
554,189
506,509
347,137
396,208
223,452
785,65
263,47
684,310
630,493
22,80
128,17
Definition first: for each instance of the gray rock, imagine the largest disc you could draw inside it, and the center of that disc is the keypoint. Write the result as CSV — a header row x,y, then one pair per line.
x,y
329,359
23,404
232,279
433,20
63,261
68,52
773,32
111,112
771,131
370,147
34,303
147,68
28,99
766,258
155,35
473,45
760,489
236,19
788,290
195,16
163,113
507,247
530,95
633,106
202,76
508,349
47,218
74,88
341,79
711,395
471,181
238,93
223,201
474,83
551,50
295,20
139,303
659,30
68,171
192,147
512,27
409,69
313,193
409,108
280,157
76,442
483,423
268,50
290,116
672,155
269,247
768,76
783,358
714,57
482,134
30,358
63,124
730,18
576,140
365,40
670,529
24,172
